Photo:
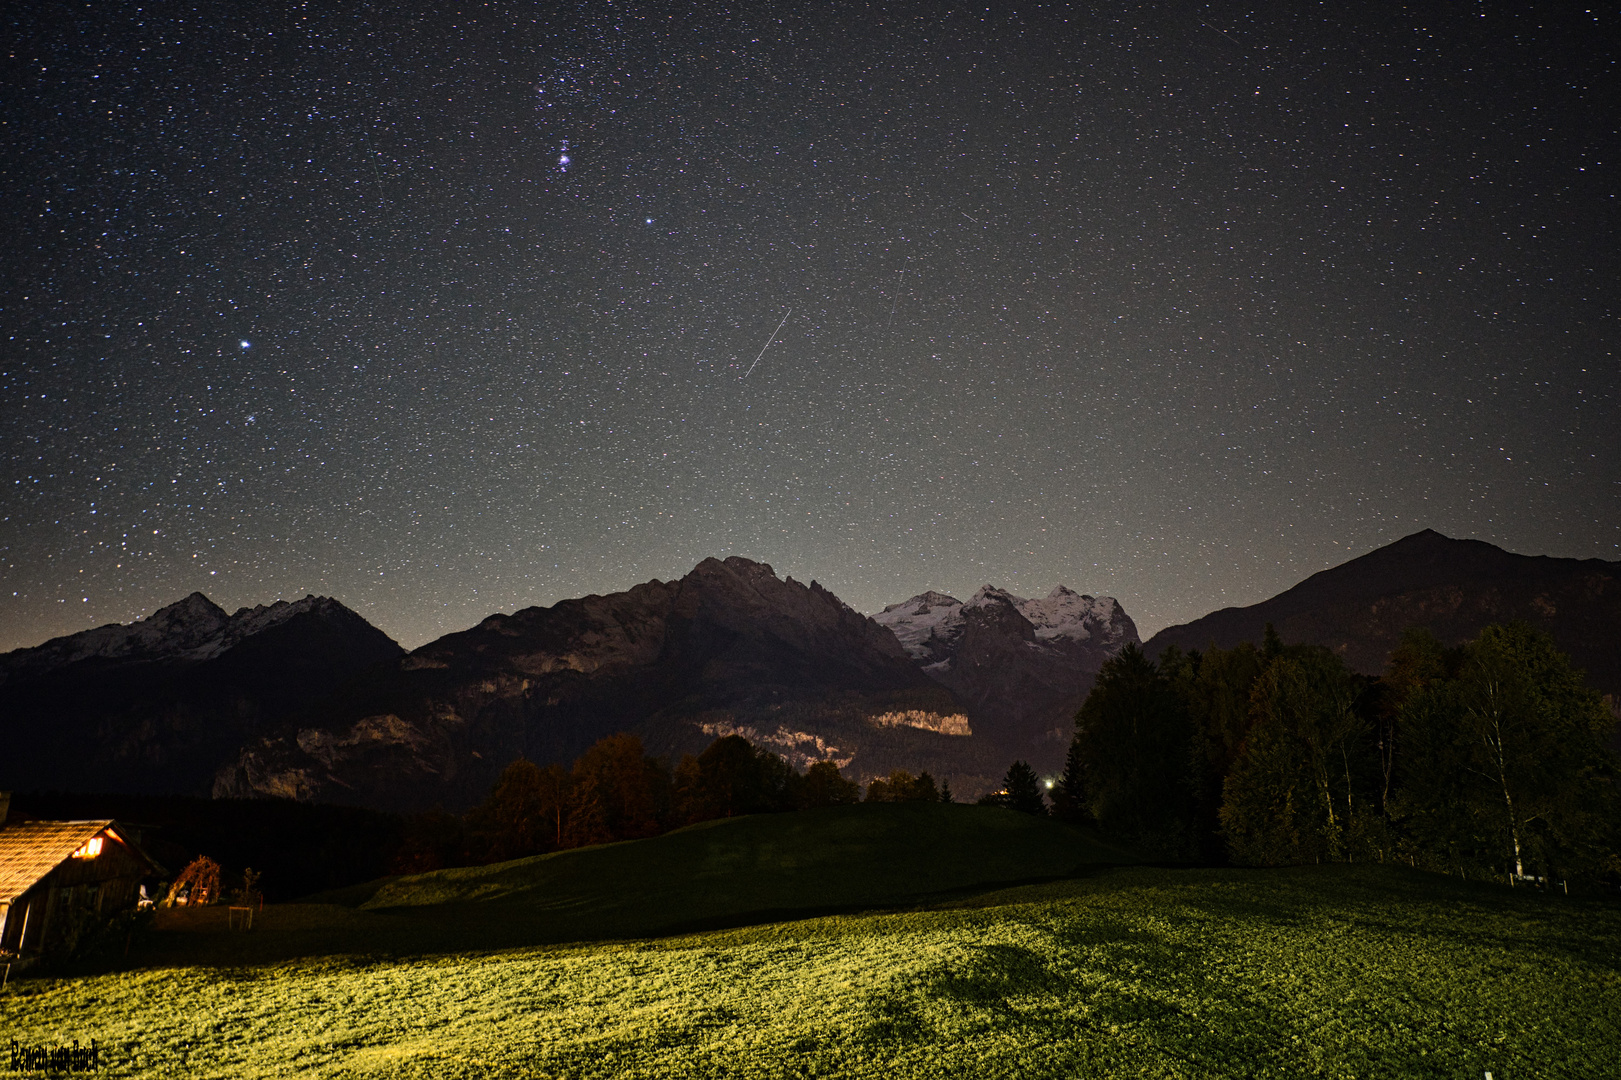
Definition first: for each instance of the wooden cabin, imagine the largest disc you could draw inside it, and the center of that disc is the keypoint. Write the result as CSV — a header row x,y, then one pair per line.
x,y
60,878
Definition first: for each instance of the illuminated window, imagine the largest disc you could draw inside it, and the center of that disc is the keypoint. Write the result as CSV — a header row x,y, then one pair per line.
x,y
91,848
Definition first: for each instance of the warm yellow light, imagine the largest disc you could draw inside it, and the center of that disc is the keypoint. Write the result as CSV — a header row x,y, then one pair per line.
x,y
91,848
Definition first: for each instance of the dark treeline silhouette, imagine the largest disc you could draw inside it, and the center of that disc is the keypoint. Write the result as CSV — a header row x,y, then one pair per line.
x,y
616,791
1491,758
902,786
297,848
1021,791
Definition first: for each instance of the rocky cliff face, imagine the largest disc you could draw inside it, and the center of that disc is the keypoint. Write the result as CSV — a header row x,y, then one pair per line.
x,y
728,648
158,705
1021,666
1454,587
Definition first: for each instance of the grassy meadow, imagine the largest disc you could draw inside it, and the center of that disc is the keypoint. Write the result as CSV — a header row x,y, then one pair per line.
x,y
1123,971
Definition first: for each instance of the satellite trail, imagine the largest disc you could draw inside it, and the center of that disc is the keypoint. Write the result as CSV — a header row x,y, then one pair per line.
x,y
767,345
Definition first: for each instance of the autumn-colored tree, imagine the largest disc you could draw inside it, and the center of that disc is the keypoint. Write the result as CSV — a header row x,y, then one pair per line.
x,y
732,777
524,813
616,792
824,785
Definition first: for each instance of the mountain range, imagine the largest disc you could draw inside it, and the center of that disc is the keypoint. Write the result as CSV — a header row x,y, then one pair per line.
x,y
154,706
309,701
728,649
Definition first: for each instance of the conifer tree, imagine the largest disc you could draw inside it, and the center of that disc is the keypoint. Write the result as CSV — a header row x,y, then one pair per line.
x,y
1069,792
1022,790
1132,738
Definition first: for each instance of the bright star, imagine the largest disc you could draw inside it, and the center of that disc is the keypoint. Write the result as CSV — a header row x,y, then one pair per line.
x,y
244,343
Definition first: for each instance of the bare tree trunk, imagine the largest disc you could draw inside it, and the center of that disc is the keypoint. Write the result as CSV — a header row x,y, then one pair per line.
x,y
1508,799
1326,790
1495,743
1346,760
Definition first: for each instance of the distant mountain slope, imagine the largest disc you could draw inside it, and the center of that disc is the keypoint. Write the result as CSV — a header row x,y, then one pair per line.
x,y
158,705
1455,587
1021,666
727,648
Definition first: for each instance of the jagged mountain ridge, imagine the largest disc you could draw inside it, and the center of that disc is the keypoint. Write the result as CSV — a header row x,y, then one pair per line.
x,y
191,629
1454,587
157,705
1021,666
930,625
728,647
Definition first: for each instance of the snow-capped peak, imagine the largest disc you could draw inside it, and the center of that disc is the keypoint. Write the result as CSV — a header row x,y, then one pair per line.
x,y
1068,614
988,595
927,626
930,625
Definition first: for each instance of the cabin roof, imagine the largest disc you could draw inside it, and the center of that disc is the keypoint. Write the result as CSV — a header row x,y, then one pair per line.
x,y
31,849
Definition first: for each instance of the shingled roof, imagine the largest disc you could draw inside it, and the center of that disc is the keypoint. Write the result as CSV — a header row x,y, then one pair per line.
x,y
31,849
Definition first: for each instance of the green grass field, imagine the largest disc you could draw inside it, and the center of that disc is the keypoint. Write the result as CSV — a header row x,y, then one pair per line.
x,y
1127,971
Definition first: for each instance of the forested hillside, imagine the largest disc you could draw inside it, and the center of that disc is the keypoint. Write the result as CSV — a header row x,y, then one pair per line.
x,y
1492,758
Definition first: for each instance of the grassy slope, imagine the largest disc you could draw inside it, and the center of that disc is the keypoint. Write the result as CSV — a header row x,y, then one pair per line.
x,y
731,872
1322,971
838,858
1326,971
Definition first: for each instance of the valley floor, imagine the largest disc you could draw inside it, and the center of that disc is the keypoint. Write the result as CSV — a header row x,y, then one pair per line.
x,y
1131,972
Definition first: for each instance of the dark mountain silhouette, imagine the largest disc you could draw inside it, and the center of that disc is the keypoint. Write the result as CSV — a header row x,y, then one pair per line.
x,y
158,705
1454,587
729,648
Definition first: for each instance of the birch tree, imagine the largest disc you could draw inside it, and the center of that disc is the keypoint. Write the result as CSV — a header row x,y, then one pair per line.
x,y
1510,762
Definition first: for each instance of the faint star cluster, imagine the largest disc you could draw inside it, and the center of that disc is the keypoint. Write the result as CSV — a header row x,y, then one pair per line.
x,y
449,313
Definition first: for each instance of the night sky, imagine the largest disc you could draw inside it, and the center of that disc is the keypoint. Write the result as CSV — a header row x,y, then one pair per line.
x,y
448,314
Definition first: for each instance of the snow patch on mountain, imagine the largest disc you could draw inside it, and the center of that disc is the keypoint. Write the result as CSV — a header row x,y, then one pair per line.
x,y
182,625
256,620
191,629
1063,613
928,625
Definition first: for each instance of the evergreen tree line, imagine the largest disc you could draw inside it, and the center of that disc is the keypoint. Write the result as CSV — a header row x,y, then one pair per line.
x,y
616,791
1488,759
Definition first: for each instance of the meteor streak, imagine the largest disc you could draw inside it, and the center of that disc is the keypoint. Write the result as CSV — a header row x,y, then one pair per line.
x,y
767,344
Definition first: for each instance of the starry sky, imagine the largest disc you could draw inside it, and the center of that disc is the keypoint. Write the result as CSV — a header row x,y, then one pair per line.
x,y
448,313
